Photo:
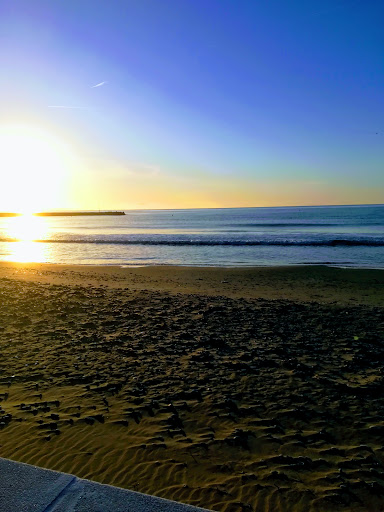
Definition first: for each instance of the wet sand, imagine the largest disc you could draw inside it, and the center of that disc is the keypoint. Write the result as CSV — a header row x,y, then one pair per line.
x,y
231,389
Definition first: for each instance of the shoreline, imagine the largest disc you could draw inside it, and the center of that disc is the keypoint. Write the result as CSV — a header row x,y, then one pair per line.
x,y
305,283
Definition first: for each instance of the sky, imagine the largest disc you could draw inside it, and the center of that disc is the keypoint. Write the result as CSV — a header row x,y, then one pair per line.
x,y
190,103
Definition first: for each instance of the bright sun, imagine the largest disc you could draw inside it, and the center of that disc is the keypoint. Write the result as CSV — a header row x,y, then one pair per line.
x,y
34,167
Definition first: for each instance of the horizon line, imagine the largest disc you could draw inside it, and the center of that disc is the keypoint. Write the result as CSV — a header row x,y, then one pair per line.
x,y
191,208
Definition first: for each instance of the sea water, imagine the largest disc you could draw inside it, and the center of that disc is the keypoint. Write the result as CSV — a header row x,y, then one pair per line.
x,y
348,236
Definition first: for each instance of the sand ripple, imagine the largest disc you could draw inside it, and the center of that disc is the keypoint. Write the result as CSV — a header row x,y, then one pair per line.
x,y
230,404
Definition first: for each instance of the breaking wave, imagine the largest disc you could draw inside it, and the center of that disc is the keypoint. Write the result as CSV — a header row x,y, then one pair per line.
x,y
209,243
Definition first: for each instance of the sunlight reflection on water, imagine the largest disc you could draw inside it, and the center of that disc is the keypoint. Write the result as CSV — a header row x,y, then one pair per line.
x,y
24,230
25,252
27,228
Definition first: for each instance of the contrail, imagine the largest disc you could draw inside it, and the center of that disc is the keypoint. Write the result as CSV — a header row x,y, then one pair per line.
x,y
98,85
66,106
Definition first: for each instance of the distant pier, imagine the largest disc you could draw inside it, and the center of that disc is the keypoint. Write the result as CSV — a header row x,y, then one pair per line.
x,y
63,214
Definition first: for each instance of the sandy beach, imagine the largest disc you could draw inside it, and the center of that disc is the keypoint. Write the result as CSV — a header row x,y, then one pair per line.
x,y
253,389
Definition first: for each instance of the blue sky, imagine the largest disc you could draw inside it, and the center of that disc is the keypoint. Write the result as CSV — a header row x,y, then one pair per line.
x,y
205,103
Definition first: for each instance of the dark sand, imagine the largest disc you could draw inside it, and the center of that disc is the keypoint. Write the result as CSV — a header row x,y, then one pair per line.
x,y
232,389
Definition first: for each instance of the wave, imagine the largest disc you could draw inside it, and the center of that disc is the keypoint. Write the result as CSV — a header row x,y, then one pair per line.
x,y
209,243
289,224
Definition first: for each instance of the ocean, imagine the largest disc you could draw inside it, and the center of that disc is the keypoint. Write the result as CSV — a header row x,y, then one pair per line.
x,y
346,236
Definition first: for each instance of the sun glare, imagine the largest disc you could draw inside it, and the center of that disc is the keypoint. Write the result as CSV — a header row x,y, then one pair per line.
x,y
34,166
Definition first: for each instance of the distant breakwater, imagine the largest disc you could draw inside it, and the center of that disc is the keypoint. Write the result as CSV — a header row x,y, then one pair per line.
x,y
62,214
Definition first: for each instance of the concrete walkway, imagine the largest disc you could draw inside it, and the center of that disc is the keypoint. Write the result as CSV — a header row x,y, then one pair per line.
x,y
25,488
